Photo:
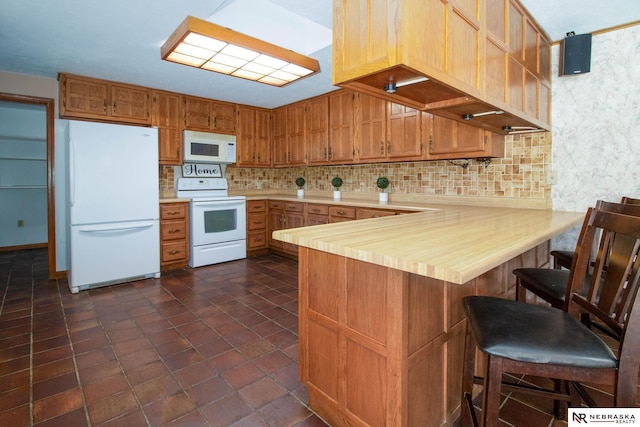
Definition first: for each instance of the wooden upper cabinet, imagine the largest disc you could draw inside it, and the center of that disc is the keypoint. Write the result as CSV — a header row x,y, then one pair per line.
x,y
207,115
167,116
474,53
245,136
296,135
317,130
386,131
404,133
341,112
224,117
130,103
83,97
279,145
87,98
371,128
197,113
289,135
263,138
454,140
253,137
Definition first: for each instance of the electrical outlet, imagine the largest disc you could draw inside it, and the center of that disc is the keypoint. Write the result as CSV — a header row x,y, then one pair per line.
x,y
552,177
21,223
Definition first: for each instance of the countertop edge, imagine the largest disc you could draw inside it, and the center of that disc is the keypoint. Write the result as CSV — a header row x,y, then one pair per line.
x,y
404,254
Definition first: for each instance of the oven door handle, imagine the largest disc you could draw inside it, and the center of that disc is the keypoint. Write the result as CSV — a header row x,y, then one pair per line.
x,y
219,204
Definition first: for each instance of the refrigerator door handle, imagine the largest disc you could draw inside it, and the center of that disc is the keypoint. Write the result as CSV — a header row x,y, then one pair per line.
x,y
72,177
115,227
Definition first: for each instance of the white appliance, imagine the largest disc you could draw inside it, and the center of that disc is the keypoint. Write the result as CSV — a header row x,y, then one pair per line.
x,y
207,147
218,221
113,204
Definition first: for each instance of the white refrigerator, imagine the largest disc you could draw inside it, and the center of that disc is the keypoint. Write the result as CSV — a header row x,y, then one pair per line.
x,y
113,204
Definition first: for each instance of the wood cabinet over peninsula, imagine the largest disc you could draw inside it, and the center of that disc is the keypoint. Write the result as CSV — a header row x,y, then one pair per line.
x,y
447,57
381,324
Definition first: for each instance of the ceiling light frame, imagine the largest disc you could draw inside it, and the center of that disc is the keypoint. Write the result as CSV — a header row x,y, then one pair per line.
x,y
266,63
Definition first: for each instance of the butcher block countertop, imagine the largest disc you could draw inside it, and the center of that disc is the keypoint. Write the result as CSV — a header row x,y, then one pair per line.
x,y
445,242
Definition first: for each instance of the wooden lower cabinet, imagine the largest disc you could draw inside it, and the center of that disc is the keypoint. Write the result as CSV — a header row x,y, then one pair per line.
x,y
256,227
174,235
341,213
266,216
317,214
382,347
283,215
364,213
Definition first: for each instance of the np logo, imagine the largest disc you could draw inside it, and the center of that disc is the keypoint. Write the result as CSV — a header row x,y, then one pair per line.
x,y
579,417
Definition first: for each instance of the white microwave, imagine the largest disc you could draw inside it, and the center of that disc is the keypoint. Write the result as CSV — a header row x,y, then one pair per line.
x,y
207,147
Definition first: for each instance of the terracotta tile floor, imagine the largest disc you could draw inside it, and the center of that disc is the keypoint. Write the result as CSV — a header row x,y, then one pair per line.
x,y
213,346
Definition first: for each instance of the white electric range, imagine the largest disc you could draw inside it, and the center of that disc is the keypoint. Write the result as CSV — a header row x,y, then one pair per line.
x,y
217,221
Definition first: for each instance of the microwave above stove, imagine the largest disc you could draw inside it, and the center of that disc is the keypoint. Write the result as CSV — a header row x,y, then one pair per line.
x,y
207,147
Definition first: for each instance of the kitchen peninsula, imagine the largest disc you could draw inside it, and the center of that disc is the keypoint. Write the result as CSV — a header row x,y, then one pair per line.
x,y
381,324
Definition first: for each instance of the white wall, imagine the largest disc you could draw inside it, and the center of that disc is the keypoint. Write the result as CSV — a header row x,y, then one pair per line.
x,y
596,126
22,84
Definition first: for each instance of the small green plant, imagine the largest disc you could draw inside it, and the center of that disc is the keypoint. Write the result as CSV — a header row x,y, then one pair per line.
x,y
382,183
337,182
300,182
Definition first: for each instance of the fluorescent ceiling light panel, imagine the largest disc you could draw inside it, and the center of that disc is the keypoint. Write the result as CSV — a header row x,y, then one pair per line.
x,y
202,44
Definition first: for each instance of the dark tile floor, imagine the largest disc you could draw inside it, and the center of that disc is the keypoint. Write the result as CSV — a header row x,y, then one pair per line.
x,y
213,346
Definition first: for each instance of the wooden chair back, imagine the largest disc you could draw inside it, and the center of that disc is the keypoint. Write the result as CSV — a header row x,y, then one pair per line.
x,y
613,284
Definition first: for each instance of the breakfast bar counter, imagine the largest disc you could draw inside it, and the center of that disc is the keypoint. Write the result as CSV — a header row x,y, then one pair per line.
x,y
380,320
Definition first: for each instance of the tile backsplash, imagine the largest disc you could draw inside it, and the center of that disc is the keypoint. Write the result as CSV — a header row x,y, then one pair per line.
x,y
520,174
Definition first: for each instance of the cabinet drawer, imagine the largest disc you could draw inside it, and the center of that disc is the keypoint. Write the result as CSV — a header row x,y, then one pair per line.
x,y
174,251
256,206
173,230
294,207
256,221
317,209
257,240
317,219
363,213
276,204
173,210
342,212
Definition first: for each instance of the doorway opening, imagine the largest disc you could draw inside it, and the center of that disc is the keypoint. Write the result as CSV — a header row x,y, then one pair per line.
x,y
28,182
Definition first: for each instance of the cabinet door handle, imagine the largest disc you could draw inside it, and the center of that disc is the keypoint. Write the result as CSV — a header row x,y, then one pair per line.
x,y
257,222
173,252
381,147
316,210
341,213
173,213
174,230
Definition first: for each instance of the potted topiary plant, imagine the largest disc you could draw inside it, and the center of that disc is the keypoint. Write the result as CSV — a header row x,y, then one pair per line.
x,y
336,183
300,183
383,184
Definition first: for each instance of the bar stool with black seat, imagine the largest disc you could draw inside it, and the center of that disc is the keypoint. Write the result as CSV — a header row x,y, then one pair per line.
x,y
530,339
562,258
551,284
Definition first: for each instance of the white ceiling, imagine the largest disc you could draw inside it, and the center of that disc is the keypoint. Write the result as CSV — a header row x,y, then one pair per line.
x,y
120,40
